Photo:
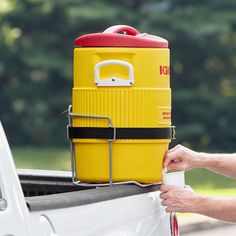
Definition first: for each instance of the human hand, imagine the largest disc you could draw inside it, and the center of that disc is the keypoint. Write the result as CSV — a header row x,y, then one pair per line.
x,y
181,158
179,199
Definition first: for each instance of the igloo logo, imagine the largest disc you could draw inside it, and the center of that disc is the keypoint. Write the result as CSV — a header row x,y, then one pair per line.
x,y
164,70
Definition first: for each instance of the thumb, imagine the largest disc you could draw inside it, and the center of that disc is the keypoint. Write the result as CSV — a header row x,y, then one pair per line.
x,y
176,166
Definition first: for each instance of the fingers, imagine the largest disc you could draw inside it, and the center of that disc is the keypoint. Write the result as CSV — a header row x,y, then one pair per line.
x,y
169,210
178,166
174,155
175,148
163,195
178,199
165,188
165,203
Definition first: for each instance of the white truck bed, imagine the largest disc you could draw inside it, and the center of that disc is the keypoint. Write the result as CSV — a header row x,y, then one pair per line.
x,y
45,203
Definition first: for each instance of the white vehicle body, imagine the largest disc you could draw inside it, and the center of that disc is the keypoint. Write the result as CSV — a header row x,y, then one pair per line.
x,y
125,210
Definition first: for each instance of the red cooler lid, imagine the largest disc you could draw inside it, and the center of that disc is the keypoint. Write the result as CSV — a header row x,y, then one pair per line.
x,y
121,36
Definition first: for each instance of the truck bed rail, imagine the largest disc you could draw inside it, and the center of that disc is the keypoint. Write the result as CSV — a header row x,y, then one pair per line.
x,y
45,190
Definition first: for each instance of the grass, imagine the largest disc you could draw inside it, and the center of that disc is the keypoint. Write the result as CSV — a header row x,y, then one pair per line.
x,y
42,158
203,181
218,192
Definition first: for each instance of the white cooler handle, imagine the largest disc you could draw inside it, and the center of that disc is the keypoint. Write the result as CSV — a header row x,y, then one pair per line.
x,y
114,81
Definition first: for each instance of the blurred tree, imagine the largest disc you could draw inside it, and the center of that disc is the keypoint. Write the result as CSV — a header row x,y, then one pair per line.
x,y
202,36
36,43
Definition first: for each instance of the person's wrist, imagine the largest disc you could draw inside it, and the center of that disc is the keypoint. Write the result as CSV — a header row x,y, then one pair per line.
x,y
201,160
201,204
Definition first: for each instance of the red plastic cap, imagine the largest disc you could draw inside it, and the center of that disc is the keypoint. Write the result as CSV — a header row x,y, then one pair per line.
x,y
121,36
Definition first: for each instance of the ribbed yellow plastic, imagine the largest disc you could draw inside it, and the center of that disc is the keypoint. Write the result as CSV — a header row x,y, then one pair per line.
x,y
145,104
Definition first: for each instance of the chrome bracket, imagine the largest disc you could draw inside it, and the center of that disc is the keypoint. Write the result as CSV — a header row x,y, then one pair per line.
x,y
75,180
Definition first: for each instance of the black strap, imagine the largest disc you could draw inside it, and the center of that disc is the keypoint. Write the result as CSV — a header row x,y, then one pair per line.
x,y
121,133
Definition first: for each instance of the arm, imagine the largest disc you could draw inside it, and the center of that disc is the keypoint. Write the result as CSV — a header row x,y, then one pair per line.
x,y
180,199
220,163
182,158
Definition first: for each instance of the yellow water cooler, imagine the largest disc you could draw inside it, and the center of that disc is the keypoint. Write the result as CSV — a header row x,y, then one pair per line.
x,y
120,118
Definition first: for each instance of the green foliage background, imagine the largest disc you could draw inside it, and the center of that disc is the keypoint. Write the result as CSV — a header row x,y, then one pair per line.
x,y
36,48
